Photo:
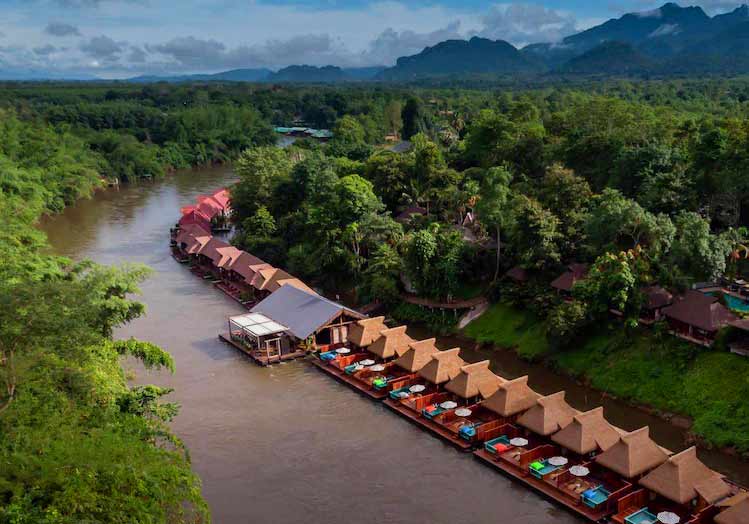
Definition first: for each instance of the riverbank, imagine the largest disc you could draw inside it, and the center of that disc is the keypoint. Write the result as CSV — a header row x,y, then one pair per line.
x,y
660,374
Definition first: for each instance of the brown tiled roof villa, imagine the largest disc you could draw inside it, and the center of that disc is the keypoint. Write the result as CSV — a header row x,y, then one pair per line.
x,y
700,310
567,280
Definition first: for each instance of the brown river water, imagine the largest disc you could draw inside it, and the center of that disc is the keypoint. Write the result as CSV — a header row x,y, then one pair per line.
x,y
287,444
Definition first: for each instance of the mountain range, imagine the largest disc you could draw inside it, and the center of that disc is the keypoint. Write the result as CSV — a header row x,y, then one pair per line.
x,y
668,41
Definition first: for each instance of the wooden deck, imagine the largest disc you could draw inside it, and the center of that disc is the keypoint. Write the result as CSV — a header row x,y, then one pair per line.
x,y
541,487
356,385
263,360
434,428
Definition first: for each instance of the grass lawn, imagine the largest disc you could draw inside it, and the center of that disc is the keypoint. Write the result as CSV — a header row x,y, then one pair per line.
x,y
710,386
509,327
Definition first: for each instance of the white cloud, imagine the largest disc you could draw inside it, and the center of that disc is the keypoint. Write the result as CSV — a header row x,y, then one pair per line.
x,y
522,24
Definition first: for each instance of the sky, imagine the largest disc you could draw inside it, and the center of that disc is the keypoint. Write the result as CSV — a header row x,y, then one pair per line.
x,y
124,38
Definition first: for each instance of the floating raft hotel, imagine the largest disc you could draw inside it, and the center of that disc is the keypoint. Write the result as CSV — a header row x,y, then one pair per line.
x,y
578,459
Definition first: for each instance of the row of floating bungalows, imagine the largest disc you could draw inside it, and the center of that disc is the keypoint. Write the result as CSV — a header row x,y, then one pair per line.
x,y
580,460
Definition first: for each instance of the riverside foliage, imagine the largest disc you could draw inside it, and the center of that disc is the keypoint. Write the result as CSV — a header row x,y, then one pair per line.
x,y
77,442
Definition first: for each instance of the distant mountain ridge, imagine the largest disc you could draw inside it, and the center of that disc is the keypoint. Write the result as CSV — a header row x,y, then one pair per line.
x,y
667,41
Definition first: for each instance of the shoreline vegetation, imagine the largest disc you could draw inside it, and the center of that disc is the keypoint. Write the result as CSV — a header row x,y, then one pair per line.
x,y
78,442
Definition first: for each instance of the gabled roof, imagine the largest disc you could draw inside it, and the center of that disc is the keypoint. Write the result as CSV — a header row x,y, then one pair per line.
x,y
418,355
303,313
567,280
228,255
209,206
211,249
366,331
549,415
408,213
512,397
269,278
738,514
444,366
657,297
195,217
634,454
475,380
392,342
683,477
223,197
197,243
700,310
297,284
243,263
588,432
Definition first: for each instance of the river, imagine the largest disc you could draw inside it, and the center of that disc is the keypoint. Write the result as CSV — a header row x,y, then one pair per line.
x,y
287,444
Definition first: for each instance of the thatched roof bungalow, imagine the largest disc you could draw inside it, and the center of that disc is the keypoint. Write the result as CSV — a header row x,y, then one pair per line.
x,y
589,432
366,331
475,380
512,398
444,366
418,355
634,454
684,478
549,415
392,342
736,514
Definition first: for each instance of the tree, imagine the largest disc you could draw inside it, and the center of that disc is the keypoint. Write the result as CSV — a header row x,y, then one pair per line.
x,y
415,120
534,233
618,223
260,225
260,170
614,282
492,206
696,251
390,174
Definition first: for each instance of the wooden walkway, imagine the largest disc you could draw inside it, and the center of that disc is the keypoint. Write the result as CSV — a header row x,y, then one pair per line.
x,y
262,360
434,428
459,304
541,487
356,385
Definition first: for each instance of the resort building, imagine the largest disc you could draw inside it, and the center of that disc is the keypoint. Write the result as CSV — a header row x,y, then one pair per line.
x,y
512,398
363,332
518,275
419,354
735,514
567,280
685,481
588,434
697,317
263,339
656,299
444,366
549,415
633,455
475,382
392,342
310,318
